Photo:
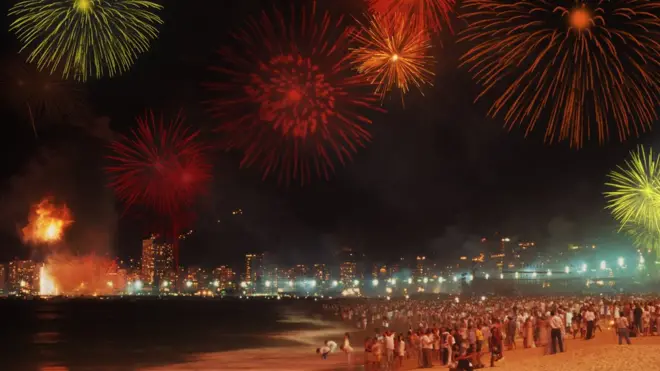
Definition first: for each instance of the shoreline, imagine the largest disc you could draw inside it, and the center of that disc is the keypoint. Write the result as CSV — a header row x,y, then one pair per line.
x,y
602,354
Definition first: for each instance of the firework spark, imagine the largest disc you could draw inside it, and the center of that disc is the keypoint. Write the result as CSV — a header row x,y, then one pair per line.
x,y
288,99
161,166
47,222
433,15
634,195
85,38
392,52
644,238
577,64
38,95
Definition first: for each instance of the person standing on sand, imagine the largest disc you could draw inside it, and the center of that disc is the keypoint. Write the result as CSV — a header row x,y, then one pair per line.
x,y
496,351
427,349
556,325
637,314
347,349
389,348
590,317
622,329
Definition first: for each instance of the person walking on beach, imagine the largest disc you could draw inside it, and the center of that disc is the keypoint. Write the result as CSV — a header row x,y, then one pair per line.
x,y
556,325
622,329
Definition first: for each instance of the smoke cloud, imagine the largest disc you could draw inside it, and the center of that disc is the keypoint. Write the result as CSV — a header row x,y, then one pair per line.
x,y
71,172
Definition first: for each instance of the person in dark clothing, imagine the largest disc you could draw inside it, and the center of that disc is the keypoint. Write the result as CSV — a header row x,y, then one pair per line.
x,y
464,360
495,344
637,314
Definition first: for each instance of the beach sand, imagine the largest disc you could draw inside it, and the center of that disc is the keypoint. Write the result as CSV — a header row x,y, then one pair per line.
x,y
601,354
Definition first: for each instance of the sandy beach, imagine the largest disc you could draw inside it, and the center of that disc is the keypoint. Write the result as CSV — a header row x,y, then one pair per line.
x,y
601,353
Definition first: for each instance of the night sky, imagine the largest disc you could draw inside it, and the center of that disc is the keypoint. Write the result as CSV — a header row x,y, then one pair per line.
x,y
437,176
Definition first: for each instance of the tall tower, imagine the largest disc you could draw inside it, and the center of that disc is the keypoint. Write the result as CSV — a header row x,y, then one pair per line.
x,y
148,260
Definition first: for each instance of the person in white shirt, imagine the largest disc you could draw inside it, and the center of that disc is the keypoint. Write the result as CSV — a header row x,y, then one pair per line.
x,y
622,328
331,344
389,348
590,317
427,349
556,326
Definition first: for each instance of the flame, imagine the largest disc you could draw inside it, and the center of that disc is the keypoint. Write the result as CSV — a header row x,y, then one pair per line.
x,y
47,286
47,222
66,274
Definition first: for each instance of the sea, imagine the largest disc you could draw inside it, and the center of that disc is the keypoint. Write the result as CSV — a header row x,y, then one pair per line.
x,y
113,334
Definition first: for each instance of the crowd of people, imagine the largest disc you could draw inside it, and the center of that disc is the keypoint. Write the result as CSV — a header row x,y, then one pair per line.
x,y
465,334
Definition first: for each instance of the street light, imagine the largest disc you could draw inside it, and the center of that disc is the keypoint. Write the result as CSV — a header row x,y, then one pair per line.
x,y
268,283
374,282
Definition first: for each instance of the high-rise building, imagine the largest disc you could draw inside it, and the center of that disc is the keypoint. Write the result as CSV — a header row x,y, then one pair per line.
x,y
420,268
157,261
347,272
300,271
3,278
224,276
23,276
253,267
321,273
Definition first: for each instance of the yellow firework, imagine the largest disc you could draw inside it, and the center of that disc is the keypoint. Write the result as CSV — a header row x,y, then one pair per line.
x,y
85,38
634,195
393,52
644,238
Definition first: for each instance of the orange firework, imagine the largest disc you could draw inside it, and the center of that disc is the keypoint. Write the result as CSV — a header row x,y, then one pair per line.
x,y
393,52
579,65
46,222
433,14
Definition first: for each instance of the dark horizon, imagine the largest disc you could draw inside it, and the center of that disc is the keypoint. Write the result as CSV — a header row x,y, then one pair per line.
x,y
438,173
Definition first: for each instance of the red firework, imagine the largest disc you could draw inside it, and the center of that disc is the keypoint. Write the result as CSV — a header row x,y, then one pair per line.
x,y
160,166
288,99
434,14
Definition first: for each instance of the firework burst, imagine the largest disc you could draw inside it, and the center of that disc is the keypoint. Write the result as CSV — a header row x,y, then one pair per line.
x,y
161,166
634,195
392,52
581,65
288,99
433,15
85,38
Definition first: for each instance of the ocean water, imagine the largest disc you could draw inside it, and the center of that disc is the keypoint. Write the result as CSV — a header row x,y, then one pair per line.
x,y
129,333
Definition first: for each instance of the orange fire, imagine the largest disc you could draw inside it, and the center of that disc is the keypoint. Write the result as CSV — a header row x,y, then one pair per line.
x,y
66,274
47,222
